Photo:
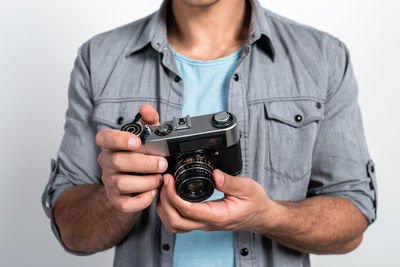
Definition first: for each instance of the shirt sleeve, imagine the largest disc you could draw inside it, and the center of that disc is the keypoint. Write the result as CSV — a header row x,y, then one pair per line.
x,y
76,162
341,163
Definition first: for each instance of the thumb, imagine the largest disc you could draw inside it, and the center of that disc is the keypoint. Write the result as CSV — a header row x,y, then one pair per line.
x,y
149,115
229,184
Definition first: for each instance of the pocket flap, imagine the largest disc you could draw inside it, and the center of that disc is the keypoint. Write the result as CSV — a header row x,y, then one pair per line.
x,y
295,113
114,114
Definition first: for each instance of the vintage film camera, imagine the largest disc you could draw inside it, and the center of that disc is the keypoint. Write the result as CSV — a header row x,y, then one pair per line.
x,y
194,147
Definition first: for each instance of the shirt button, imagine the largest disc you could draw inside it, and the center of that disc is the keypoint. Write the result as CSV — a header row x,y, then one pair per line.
x,y
372,168
165,247
53,166
244,252
177,79
120,120
236,77
318,105
298,118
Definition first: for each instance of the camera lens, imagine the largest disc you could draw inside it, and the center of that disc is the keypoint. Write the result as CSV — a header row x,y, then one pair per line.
x,y
193,176
195,186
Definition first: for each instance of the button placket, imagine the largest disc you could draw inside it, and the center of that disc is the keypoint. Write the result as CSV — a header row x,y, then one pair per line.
x,y
237,104
176,89
244,246
166,247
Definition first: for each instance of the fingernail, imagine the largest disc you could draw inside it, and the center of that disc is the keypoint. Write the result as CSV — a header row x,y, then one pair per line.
x,y
165,180
162,164
133,142
154,192
159,180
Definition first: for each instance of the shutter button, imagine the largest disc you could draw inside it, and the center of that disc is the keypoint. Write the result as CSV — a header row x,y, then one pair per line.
x,y
221,119
244,252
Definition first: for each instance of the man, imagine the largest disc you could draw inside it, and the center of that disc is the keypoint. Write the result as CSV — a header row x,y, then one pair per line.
x,y
307,185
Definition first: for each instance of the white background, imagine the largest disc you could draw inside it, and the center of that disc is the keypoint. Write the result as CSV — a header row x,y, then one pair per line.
x,y
38,44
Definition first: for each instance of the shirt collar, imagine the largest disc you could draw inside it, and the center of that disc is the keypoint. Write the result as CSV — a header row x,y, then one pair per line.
x,y
155,31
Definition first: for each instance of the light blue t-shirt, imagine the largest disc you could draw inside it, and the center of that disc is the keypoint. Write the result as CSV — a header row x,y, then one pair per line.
x,y
206,90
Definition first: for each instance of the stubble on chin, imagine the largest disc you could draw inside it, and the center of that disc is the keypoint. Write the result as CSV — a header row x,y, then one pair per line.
x,y
198,3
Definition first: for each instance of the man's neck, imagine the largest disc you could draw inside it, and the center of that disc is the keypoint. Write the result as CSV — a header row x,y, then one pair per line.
x,y
207,32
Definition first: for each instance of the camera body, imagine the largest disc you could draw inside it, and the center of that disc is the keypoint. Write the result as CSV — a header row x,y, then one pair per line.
x,y
194,147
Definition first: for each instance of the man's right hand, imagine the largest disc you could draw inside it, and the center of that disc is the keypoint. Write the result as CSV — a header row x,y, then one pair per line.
x,y
130,177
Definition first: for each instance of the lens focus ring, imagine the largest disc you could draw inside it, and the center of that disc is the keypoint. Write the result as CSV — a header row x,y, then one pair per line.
x,y
193,176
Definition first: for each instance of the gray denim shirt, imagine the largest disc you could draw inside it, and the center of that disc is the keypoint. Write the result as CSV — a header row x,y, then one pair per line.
x,y
295,97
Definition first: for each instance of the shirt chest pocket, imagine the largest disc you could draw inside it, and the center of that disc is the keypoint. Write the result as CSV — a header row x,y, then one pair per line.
x,y
114,114
292,127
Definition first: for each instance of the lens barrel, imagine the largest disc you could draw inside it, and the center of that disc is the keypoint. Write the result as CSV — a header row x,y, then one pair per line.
x,y
193,176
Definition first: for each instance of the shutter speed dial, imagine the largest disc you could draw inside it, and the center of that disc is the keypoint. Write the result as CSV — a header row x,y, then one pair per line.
x,y
222,119
163,129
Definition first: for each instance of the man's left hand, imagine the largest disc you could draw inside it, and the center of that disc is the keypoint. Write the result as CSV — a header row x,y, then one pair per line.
x,y
245,206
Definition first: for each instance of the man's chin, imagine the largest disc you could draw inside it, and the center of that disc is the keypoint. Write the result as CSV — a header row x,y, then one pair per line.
x,y
198,3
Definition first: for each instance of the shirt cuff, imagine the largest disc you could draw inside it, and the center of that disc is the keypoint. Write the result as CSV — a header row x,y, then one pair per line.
x,y
56,185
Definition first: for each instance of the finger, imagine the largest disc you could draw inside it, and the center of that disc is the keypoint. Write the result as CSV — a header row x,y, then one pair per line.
x,y
206,212
173,197
117,140
149,115
133,162
128,204
164,219
128,184
232,185
175,220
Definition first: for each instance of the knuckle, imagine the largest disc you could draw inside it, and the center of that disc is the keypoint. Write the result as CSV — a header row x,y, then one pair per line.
x,y
124,206
100,158
146,200
184,212
154,181
119,183
116,160
174,224
109,179
99,138
109,195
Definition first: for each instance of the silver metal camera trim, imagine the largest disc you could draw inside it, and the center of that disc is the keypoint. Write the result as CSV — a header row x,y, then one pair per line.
x,y
199,126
